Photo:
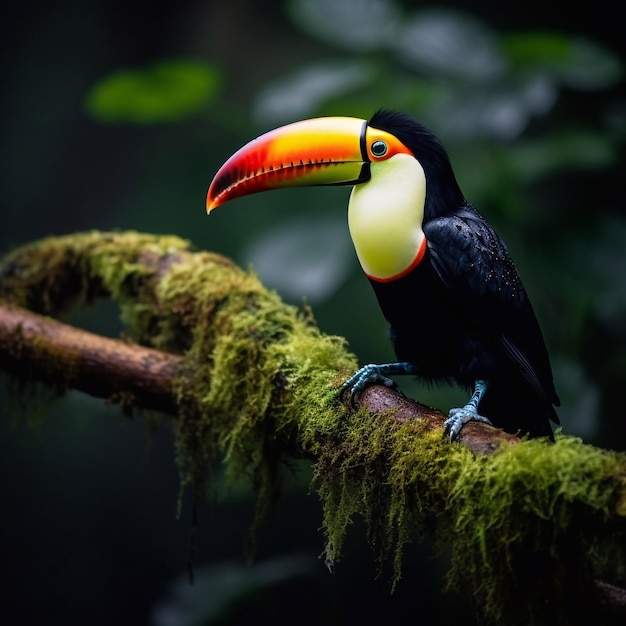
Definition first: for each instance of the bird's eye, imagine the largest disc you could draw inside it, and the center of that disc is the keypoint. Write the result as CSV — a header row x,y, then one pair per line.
x,y
379,148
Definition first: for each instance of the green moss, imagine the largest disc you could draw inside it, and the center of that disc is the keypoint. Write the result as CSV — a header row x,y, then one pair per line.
x,y
258,387
243,348
527,526
542,508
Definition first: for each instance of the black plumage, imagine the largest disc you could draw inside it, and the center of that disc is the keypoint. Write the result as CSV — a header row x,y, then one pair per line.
x,y
463,314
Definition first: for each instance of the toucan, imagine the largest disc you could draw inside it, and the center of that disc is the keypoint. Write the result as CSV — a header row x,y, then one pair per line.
x,y
455,304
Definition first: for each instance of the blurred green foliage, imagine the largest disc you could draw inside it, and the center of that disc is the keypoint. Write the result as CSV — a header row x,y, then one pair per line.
x,y
495,99
530,102
500,103
169,91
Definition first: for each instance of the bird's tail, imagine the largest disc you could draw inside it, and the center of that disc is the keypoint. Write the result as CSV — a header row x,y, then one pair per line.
x,y
518,410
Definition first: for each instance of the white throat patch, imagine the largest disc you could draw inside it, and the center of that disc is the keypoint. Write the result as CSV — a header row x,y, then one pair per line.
x,y
385,217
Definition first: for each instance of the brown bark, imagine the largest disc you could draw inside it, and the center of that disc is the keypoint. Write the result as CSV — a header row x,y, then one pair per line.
x,y
38,348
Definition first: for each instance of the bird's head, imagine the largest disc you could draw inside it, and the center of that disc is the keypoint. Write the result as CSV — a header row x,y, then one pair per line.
x,y
400,173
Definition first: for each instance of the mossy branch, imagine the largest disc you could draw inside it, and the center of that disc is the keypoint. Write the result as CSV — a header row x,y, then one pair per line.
x,y
253,383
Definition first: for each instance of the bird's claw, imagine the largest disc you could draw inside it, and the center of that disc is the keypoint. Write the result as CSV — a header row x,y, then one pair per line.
x,y
459,417
364,377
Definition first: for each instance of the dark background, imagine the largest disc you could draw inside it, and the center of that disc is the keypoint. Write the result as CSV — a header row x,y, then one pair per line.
x,y
88,530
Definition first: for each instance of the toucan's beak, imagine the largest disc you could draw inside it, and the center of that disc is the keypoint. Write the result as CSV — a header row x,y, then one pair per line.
x,y
321,151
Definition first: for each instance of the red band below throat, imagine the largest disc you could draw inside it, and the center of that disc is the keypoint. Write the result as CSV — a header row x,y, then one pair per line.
x,y
416,261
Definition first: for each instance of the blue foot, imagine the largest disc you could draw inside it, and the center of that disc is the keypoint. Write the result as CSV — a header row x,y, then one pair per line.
x,y
468,413
459,417
374,375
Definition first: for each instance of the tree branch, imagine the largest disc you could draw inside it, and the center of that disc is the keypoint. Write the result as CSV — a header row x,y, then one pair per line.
x,y
38,348
253,381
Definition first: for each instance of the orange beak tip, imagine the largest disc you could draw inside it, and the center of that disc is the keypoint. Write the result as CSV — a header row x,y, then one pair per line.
x,y
211,204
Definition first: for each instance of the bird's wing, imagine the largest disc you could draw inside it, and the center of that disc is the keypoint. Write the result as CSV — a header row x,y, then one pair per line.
x,y
477,274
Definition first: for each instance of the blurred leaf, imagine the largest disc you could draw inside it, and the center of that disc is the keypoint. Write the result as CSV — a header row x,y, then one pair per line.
x,y
223,588
605,267
502,109
580,398
359,25
537,158
400,92
591,266
168,91
449,43
538,49
298,95
303,257
576,62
